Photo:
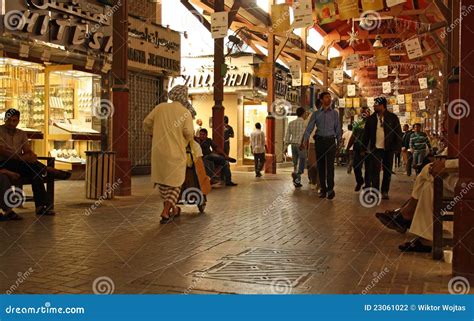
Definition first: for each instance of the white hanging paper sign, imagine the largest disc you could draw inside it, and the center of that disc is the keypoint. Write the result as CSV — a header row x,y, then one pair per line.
x,y
338,76
382,72
342,102
422,105
370,102
219,24
413,48
351,90
396,109
303,13
401,99
352,62
295,69
387,87
391,3
423,83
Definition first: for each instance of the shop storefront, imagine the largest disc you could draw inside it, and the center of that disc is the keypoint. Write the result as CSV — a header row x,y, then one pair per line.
x,y
56,58
154,55
244,99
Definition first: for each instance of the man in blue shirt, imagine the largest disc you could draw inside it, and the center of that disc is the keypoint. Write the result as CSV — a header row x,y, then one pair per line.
x,y
328,134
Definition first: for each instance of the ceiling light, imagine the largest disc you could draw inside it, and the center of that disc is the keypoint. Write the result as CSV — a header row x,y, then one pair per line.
x,y
378,42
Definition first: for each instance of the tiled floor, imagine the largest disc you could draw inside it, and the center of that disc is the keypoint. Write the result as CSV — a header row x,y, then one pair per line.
x,y
259,237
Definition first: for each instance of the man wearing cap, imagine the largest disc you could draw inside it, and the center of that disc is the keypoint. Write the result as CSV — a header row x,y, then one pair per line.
x,y
328,135
16,156
382,138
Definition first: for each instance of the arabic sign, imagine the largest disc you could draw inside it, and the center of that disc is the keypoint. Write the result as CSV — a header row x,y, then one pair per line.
x,y
75,24
153,48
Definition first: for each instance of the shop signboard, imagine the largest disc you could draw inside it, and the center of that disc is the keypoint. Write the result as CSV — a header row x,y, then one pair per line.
x,y
152,48
76,25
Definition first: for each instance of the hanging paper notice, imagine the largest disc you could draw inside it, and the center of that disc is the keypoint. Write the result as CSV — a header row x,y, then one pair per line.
x,y
303,13
219,24
392,3
387,87
408,99
295,69
326,11
382,57
348,102
400,99
375,5
342,102
423,83
307,78
413,48
335,62
351,90
338,76
348,9
280,17
370,102
356,103
408,107
422,105
396,109
382,72
352,62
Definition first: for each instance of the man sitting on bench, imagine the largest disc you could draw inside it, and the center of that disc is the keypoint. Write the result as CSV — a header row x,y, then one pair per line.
x,y
213,156
417,213
16,156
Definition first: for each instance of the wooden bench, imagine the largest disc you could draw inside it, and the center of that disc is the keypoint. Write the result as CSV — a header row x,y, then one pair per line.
x,y
48,180
441,214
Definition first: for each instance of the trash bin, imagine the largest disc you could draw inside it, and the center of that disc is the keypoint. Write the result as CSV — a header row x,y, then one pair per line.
x,y
100,175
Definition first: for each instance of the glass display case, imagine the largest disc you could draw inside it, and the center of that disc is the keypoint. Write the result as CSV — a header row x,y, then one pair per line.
x,y
72,128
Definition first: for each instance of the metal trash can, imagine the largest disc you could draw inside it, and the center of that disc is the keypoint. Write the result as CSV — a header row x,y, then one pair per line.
x,y
100,175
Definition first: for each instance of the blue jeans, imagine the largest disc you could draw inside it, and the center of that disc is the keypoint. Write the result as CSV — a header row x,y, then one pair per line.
x,y
418,157
299,160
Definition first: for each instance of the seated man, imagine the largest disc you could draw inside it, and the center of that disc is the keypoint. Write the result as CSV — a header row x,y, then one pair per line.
x,y
6,196
213,156
417,213
16,156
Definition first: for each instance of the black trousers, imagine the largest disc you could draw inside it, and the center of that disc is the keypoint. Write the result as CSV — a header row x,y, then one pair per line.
x,y
35,173
259,160
380,160
359,162
409,162
325,157
227,148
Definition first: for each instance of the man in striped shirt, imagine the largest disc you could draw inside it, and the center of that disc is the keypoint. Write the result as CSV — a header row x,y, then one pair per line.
x,y
419,143
294,137
257,143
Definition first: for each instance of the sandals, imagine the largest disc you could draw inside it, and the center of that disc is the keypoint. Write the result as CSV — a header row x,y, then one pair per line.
x,y
415,245
172,216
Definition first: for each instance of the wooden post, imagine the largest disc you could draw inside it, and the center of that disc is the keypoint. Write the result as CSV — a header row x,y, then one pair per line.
x,y
218,109
303,61
120,93
463,259
270,159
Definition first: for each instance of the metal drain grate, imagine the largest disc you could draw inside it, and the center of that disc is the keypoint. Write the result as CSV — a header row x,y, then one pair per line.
x,y
266,266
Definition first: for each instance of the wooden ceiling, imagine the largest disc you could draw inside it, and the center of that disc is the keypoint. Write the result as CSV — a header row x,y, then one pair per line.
x,y
423,18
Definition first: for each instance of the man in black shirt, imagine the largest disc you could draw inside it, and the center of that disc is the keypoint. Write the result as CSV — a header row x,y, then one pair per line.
x,y
212,157
407,132
228,134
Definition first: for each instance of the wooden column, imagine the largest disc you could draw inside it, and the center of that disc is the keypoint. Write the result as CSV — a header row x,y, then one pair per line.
x,y
218,109
270,163
453,80
463,259
120,93
303,61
